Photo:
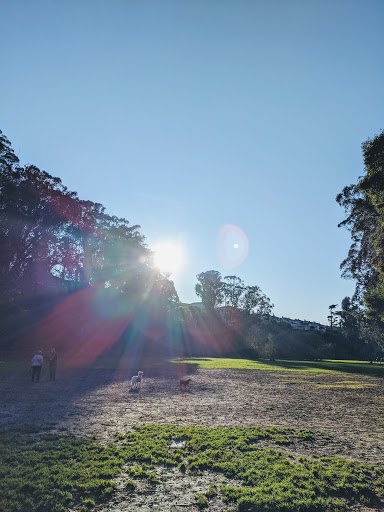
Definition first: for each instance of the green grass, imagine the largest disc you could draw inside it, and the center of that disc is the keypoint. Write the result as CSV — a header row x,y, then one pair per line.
x,y
52,473
342,384
325,366
269,479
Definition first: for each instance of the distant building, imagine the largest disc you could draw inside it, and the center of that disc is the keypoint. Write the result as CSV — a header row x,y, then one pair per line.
x,y
302,325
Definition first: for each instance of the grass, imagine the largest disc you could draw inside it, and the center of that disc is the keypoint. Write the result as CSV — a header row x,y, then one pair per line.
x,y
342,384
52,473
324,366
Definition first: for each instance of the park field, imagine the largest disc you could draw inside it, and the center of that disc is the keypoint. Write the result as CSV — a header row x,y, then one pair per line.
x,y
281,436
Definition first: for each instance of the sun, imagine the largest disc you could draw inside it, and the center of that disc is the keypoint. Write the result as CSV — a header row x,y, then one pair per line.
x,y
168,257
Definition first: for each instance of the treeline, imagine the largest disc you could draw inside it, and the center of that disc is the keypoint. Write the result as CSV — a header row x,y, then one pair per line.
x,y
76,278
69,270
215,291
252,331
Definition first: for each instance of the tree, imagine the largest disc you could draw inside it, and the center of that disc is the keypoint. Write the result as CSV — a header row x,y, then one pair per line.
x,y
54,243
361,221
209,288
233,288
332,315
350,317
254,300
364,205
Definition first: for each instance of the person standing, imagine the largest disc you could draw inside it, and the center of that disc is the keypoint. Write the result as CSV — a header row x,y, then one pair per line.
x,y
52,359
37,364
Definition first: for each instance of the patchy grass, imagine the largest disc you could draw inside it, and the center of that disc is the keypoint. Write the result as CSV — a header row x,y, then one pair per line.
x,y
346,385
269,479
325,366
342,384
52,473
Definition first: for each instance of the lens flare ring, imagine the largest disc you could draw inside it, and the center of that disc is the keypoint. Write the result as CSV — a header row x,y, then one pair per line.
x,y
232,246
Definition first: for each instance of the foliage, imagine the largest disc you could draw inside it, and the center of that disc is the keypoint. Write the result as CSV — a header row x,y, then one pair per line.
x,y
209,288
231,291
54,244
332,315
230,332
364,205
253,300
358,329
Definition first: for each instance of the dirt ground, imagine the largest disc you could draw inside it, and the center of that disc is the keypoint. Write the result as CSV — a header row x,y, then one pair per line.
x,y
348,408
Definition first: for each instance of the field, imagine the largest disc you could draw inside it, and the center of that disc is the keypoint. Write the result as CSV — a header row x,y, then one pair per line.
x,y
284,436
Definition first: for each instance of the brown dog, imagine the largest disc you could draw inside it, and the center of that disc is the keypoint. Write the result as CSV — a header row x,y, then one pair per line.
x,y
185,382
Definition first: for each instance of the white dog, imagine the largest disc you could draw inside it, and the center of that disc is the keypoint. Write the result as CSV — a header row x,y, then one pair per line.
x,y
136,380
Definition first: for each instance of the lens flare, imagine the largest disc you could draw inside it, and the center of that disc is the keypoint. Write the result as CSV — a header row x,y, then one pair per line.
x,y
232,246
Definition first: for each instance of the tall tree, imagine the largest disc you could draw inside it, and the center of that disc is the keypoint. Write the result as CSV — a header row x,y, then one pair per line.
x,y
255,301
47,232
209,288
364,205
233,288
361,221
332,317
231,291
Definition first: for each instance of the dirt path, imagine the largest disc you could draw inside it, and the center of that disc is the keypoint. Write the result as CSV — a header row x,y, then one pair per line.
x,y
98,402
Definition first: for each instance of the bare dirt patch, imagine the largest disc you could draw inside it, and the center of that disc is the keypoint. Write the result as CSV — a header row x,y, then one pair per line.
x,y
347,409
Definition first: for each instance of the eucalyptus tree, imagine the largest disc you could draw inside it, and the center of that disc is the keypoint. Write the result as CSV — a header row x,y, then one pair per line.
x,y
364,205
233,289
255,301
361,221
210,288
47,231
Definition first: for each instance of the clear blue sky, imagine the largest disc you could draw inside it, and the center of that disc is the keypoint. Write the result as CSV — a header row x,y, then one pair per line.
x,y
185,116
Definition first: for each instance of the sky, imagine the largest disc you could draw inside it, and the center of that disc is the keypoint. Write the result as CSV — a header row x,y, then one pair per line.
x,y
211,123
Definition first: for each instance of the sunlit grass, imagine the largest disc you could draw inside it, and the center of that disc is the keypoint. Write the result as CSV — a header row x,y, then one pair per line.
x,y
45,473
324,366
342,384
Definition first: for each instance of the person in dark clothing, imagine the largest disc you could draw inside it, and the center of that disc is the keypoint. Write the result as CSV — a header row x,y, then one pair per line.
x,y
52,359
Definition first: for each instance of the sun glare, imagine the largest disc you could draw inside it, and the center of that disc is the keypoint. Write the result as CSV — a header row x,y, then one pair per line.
x,y
168,257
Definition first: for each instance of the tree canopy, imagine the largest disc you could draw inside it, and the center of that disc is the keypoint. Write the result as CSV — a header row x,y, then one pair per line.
x,y
54,243
364,206
231,291
72,274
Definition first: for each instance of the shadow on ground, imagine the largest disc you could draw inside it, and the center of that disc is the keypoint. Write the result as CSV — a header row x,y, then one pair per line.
x,y
372,370
77,393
